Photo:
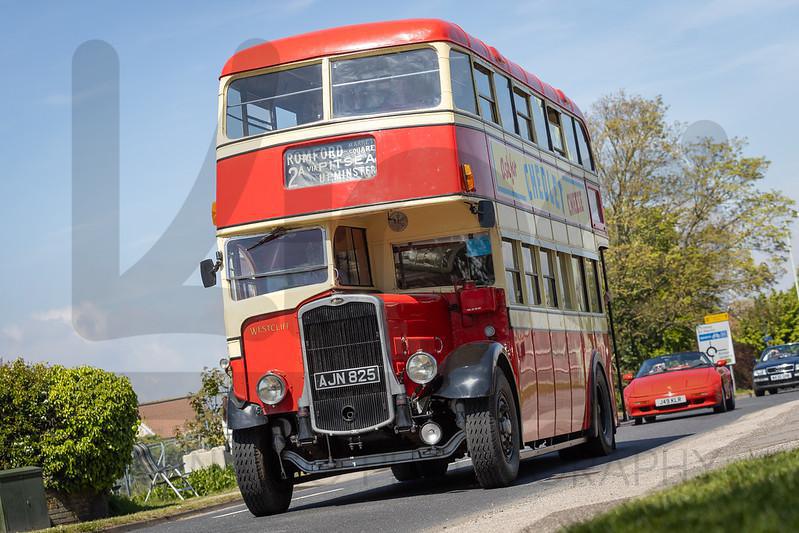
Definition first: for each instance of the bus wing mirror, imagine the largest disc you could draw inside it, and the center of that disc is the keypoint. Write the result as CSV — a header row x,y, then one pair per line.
x,y
208,272
486,215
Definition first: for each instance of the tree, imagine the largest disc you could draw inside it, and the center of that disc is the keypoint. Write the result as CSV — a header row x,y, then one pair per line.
x,y
774,315
77,424
206,427
683,222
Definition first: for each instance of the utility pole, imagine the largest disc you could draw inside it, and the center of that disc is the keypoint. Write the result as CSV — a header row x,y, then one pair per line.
x,y
793,268
613,333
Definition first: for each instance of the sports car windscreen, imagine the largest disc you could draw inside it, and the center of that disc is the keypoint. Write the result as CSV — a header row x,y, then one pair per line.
x,y
673,362
275,261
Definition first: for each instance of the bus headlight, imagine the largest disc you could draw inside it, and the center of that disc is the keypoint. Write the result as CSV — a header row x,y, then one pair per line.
x,y
421,368
271,389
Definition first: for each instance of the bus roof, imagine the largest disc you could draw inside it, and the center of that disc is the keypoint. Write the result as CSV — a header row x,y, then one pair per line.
x,y
361,37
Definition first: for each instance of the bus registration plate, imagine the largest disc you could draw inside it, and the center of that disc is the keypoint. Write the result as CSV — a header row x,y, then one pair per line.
x,y
346,377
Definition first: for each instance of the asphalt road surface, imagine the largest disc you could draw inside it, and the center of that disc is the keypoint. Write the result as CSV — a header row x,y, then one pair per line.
x,y
376,502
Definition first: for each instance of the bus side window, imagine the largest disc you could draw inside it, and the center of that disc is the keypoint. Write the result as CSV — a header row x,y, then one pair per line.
x,y
592,278
555,131
503,87
578,274
564,278
540,123
352,257
512,272
582,141
524,121
485,94
548,277
571,142
531,275
460,68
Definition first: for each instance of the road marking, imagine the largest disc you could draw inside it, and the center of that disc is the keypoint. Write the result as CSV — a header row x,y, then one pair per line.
x,y
293,500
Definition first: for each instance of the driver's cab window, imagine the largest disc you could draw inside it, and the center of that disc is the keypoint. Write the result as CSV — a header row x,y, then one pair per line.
x,y
445,261
352,257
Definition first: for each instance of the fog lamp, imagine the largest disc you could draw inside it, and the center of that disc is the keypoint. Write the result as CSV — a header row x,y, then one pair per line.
x,y
271,389
421,368
431,433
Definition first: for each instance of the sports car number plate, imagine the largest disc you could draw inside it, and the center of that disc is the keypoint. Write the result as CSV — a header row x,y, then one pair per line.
x,y
786,375
671,400
346,377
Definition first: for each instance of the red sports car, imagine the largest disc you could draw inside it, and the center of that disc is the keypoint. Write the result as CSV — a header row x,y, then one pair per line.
x,y
678,382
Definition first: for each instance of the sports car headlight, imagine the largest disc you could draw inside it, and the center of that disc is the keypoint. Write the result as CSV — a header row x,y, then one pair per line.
x,y
421,368
271,389
760,372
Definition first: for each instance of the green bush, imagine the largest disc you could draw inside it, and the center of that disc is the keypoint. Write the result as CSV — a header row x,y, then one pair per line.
x,y
77,424
212,479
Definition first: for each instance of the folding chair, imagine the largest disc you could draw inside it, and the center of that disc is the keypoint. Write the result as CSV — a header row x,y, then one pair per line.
x,y
161,473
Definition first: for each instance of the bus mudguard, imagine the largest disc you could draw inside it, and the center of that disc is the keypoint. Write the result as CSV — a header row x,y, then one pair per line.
x,y
468,372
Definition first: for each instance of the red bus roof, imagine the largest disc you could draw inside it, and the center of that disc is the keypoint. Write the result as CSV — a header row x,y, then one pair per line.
x,y
361,37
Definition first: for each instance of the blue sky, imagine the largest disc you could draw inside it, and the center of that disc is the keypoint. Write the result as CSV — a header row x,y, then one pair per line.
x,y
731,62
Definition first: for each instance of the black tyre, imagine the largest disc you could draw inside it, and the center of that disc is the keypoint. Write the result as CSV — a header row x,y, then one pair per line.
x,y
492,435
602,438
722,406
649,419
638,420
731,402
258,473
759,393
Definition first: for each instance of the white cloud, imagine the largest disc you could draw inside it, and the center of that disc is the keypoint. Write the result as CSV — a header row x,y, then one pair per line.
x,y
61,314
12,332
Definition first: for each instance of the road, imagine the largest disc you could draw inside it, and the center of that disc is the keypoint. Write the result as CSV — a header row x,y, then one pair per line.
x,y
376,502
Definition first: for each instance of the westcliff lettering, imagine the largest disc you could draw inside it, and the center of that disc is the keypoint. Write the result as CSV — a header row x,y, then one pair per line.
x,y
267,329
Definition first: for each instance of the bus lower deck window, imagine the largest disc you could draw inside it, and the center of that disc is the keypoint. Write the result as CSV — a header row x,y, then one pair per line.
x,y
444,262
352,257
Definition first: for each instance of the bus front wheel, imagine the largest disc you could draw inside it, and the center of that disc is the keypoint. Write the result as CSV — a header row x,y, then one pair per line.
x,y
493,436
258,473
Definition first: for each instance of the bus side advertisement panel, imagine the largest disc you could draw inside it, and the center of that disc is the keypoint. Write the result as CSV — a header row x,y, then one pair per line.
x,y
532,184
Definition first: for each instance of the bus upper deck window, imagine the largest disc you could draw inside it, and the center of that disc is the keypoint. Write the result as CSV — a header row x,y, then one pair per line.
x,y
460,69
385,83
571,142
485,94
555,131
540,124
274,101
585,152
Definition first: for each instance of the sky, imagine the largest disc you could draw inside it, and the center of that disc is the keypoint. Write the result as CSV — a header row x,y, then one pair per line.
x,y
730,62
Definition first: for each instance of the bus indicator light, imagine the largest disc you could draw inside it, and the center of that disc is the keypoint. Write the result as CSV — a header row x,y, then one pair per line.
x,y
468,178
213,212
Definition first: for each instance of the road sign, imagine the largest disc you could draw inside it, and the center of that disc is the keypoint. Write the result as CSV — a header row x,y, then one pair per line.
x,y
715,340
717,317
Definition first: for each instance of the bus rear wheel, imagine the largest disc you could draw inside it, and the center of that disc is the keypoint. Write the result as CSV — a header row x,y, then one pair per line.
x,y
493,436
258,473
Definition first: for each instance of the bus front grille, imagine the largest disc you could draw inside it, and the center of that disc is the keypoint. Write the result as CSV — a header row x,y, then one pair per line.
x,y
345,366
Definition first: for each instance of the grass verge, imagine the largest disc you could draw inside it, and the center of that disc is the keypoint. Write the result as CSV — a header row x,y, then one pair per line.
x,y
754,495
160,512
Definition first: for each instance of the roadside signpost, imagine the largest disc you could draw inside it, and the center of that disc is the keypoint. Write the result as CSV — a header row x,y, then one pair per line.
x,y
715,339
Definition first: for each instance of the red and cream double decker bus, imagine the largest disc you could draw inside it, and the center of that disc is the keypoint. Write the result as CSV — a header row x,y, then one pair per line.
x,y
410,234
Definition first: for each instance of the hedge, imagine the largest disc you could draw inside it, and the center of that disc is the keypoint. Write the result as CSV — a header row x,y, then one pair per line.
x,y
78,424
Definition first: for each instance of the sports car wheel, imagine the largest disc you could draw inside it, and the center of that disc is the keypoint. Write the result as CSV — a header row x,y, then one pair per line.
x,y
731,402
649,419
638,420
722,406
